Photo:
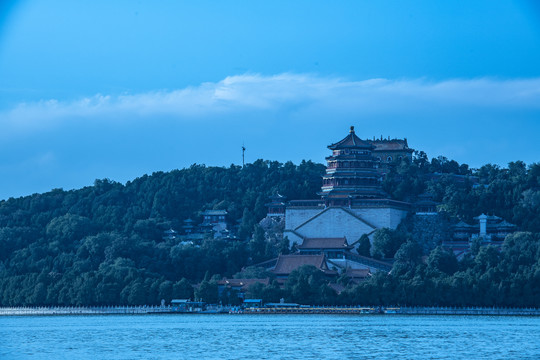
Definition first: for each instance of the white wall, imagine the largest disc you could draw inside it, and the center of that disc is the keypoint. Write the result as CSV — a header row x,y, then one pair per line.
x,y
336,222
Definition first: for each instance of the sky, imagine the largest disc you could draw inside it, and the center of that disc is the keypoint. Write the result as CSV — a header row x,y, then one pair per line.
x,y
118,89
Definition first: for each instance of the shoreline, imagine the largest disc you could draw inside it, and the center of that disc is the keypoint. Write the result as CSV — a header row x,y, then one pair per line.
x,y
315,310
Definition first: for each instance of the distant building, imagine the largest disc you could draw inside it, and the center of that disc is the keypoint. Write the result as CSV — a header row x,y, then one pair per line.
x,y
425,205
459,180
339,256
214,217
389,151
216,221
352,200
490,230
170,234
277,205
332,256
188,227
333,248
285,264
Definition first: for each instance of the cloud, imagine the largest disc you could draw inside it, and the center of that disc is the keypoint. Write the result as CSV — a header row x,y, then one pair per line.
x,y
252,92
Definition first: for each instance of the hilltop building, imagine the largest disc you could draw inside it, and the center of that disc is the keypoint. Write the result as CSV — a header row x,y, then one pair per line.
x,y
425,205
216,221
388,151
169,235
188,227
352,200
352,203
277,205
490,230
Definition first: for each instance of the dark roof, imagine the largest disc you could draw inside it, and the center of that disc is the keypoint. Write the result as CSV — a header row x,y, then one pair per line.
x,y
390,145
351,141
463,224
215,212
287,263
487,217
505,224
324,243
358,273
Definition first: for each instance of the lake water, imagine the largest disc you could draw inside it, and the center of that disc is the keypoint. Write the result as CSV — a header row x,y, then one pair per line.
x,y
183,336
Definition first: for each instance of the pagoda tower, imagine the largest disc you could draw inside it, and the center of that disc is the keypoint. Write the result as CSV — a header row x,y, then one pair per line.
x,y
351,172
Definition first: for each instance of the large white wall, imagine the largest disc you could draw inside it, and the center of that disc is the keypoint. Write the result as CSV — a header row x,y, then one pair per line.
x,y
381,217
336,222
294,217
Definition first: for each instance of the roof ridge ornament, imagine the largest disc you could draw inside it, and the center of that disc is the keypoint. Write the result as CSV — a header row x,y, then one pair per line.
x,y
352,130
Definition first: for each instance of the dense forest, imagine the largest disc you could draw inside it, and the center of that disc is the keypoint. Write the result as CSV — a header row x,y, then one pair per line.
x,y
103,244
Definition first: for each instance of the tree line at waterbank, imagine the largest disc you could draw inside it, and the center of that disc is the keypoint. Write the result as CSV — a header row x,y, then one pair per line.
x,y
102,245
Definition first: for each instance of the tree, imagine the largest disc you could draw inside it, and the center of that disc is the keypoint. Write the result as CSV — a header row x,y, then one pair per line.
x,y
253,272
307,285
68,228
442,260
364,246
166,291
182,290
207,292
408,257
385,243
137,294
257,245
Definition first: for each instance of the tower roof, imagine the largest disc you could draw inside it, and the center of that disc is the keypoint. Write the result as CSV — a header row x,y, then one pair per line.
x,y
351,141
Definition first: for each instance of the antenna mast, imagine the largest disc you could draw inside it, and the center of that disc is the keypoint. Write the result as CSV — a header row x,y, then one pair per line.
x,y
243,151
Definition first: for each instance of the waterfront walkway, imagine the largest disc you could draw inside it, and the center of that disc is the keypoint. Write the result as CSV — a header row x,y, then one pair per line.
x,y
351,310
76,310
397,310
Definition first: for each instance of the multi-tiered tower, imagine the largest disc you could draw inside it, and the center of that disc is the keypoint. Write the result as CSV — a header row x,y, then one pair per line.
x,y
350,172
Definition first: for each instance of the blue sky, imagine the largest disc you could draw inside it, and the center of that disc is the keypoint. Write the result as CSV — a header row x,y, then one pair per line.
x,y
103,89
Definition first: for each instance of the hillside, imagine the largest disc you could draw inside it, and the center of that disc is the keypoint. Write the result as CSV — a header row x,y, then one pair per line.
x,y
103,244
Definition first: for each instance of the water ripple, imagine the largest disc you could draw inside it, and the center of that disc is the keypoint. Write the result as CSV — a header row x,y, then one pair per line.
x,y
269,337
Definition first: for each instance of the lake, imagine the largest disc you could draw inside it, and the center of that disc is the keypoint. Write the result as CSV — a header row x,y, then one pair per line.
x,y
187,336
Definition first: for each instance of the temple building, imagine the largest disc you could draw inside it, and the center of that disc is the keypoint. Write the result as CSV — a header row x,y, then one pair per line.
x,y
352,200
389,151
285,264
425,205
170,235
277,205
489,230
215,221
333,257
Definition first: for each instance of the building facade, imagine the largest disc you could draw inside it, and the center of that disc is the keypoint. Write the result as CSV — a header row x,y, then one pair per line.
x,y
489,230
352,201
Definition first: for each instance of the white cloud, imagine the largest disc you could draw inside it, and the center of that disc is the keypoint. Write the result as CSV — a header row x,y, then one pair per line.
x,y
244,93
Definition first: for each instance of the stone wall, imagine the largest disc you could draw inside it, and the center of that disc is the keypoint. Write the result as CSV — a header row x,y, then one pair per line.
x,y
430,230
296,216
381,217
336,222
